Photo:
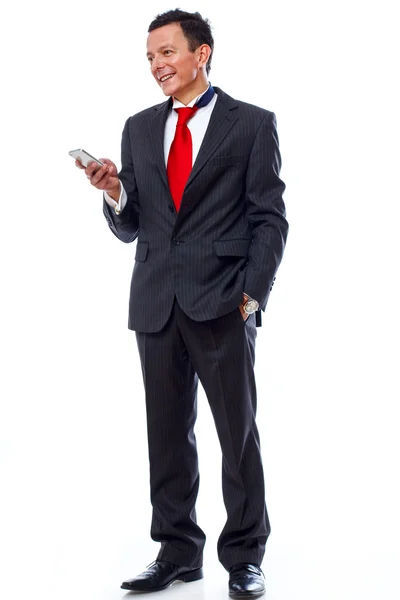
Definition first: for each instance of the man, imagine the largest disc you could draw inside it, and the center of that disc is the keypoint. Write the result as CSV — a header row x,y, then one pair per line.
x,y
200,189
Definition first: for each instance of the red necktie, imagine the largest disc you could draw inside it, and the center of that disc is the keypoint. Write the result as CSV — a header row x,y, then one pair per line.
x,y
180,158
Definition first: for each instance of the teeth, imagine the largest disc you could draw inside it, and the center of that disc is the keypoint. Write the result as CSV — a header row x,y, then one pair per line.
x,y
166,77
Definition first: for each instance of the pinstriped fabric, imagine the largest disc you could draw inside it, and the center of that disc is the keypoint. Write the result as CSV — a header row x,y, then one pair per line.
x,y
170,383
230,232
221,353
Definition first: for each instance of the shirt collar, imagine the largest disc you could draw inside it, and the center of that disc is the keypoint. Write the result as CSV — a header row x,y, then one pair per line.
x,y
177,104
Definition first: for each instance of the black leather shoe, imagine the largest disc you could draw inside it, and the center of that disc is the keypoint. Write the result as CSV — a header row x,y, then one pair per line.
x,y
246,580
159,575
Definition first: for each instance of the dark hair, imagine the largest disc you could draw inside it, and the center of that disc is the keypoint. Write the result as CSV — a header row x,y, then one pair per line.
x,y
196,30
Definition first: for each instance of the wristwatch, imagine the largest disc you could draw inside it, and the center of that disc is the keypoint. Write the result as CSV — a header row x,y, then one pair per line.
x,y
250,306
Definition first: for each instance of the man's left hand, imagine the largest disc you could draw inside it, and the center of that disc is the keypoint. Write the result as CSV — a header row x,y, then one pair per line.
x,y
244,314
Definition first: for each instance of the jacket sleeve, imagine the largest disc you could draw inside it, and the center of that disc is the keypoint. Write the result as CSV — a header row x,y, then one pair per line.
x,y
125,225
265,211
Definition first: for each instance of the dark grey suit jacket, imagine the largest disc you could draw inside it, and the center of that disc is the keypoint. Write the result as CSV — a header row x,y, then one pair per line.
x,y
230,232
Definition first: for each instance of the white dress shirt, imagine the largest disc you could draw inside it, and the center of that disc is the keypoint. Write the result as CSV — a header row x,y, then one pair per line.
x,y
197,125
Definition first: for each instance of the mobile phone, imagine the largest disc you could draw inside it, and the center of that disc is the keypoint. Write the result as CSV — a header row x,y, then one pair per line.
x,y
84,157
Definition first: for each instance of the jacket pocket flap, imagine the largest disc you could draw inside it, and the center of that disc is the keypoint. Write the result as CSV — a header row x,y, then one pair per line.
x,y
238,247
141,251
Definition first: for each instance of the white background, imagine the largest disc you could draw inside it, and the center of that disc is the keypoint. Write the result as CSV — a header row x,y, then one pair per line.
x,y
75,509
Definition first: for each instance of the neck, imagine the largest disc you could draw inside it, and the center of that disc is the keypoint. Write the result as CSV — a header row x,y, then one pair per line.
x,y
187,96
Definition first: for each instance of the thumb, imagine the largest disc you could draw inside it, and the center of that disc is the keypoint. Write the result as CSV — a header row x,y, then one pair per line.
x,y
112,169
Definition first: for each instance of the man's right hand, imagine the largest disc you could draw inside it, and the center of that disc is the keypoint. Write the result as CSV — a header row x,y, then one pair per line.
x,y
103,178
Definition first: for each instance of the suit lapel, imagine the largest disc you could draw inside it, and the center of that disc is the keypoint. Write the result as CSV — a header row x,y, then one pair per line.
x,y
156,133
222,119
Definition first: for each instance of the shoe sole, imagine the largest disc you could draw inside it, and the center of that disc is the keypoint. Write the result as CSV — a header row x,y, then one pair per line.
x,y
247,594
185,577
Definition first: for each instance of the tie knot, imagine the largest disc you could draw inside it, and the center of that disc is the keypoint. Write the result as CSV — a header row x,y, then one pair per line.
x,y
184,114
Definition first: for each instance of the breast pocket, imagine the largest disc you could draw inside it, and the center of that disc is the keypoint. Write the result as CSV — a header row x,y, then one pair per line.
x,y
227,161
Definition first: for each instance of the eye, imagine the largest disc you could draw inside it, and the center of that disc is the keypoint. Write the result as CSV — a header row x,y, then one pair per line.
x,y
165,51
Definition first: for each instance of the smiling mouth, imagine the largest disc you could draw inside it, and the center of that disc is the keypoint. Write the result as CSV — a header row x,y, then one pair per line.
x,y
166,77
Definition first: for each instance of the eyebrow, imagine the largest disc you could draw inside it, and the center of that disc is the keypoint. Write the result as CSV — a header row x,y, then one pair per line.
x,y
162,48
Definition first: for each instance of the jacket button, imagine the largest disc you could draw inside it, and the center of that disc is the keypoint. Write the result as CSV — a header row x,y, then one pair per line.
x,y
171,208
176,241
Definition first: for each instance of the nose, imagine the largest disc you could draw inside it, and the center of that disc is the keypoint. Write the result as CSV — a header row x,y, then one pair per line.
x,y
157,64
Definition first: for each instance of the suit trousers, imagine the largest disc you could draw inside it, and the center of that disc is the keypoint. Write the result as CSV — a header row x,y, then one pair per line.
x,y
220,352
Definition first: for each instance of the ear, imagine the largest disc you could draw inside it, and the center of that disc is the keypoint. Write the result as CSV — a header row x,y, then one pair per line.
x,y
203,54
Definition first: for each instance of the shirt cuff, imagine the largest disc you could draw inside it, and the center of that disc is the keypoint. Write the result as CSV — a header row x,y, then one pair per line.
x,y
120,205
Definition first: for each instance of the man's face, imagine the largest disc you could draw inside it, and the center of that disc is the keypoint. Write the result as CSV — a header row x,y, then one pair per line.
x,y
168,54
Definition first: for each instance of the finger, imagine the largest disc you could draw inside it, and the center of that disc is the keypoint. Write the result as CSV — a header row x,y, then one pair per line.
x,y
112,167
92,169
243,313
98,176
107,183
104,182
79,164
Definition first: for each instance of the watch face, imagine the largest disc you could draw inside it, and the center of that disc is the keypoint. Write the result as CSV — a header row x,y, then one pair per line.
x,y
251,306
